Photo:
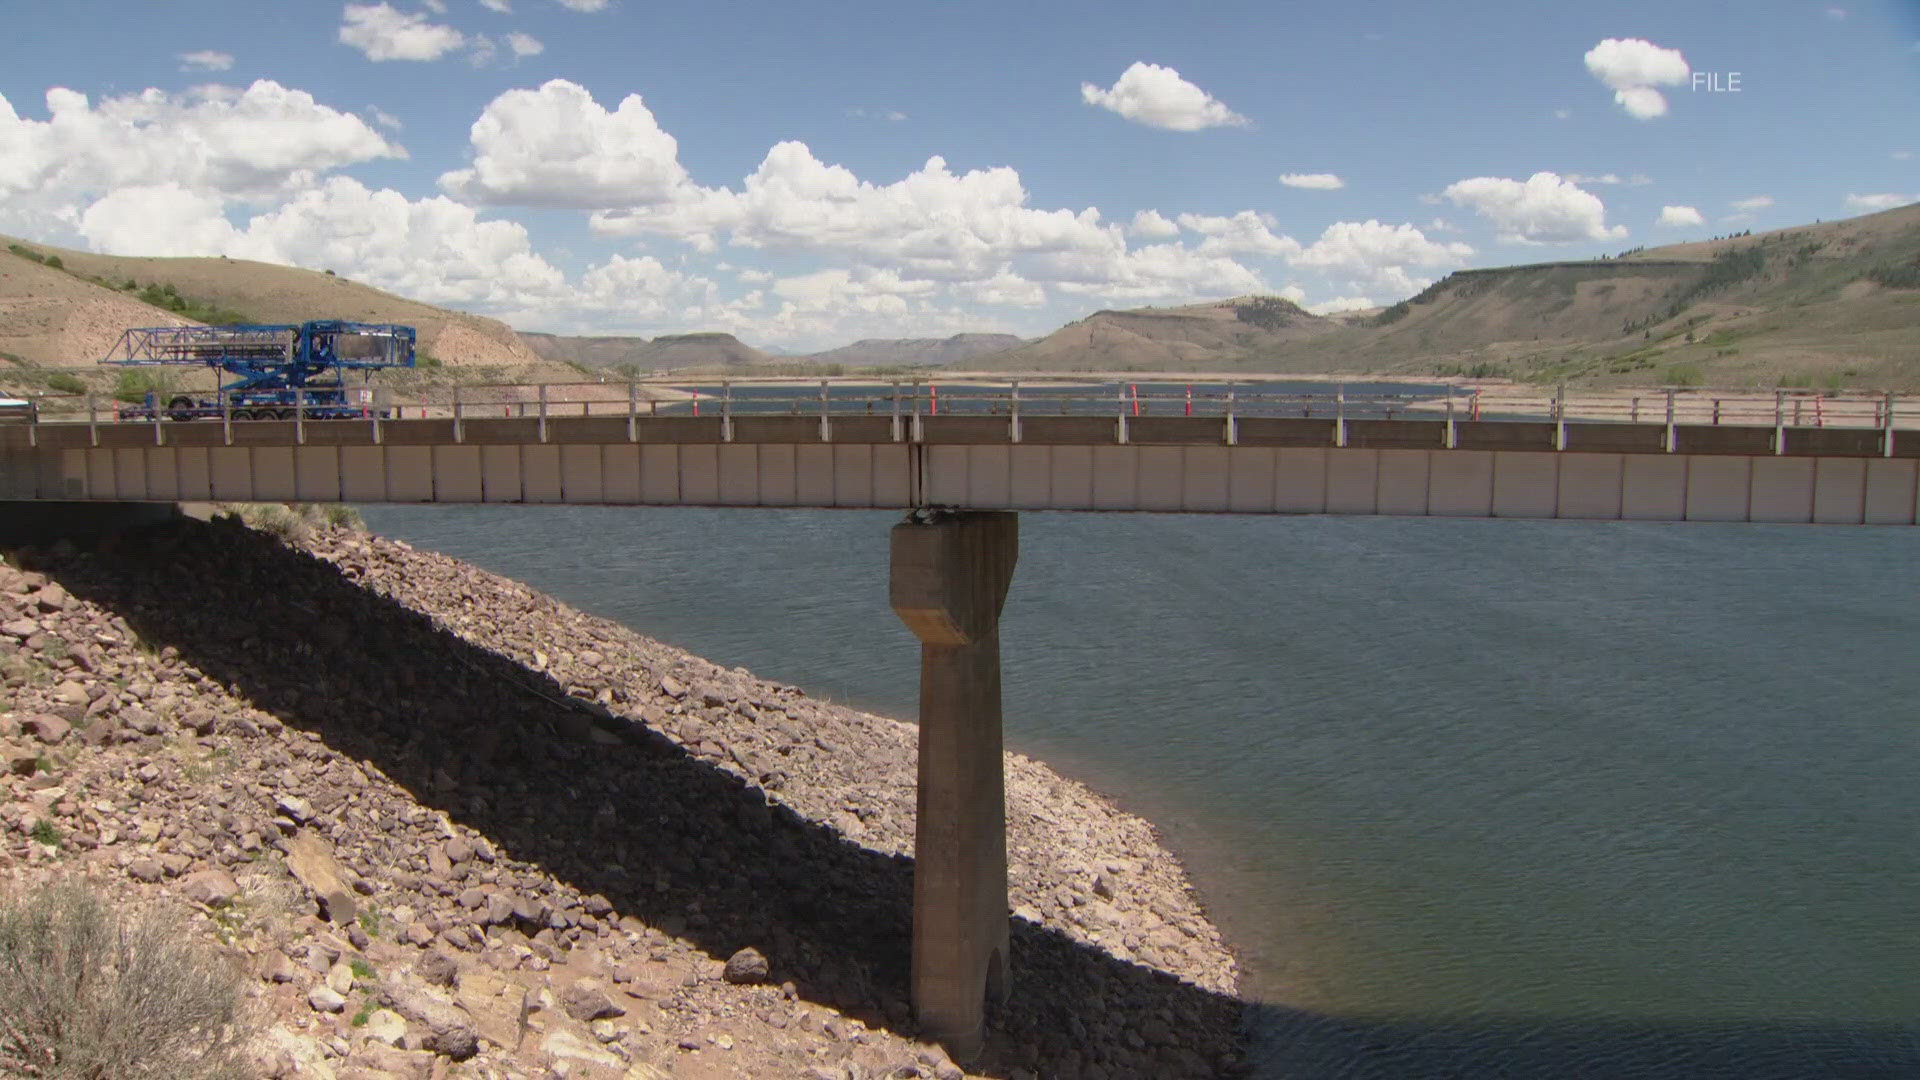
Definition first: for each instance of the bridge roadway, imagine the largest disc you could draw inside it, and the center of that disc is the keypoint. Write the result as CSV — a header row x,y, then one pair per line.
x,y
951,568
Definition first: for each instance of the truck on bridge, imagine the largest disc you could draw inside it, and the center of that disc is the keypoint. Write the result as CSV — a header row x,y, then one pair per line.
x,y
278,371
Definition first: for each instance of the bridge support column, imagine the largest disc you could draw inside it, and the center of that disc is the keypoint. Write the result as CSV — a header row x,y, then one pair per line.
x,y
949,580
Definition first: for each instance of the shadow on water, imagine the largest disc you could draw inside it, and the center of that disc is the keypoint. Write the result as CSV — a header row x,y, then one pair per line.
x,y
664,836
686,846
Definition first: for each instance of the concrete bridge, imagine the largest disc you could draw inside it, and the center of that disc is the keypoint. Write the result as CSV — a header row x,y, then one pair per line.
x,y
962,462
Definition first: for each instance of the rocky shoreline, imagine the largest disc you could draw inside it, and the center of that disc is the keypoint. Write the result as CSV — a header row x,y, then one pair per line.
x,y
456,828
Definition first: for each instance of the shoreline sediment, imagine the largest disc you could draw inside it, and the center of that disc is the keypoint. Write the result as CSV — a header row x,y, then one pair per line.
x,y
698,810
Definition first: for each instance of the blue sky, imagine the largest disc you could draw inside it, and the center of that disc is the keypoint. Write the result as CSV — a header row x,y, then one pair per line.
x,y
805,174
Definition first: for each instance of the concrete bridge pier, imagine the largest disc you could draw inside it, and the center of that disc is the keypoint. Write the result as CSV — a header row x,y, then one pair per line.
x,y
949,579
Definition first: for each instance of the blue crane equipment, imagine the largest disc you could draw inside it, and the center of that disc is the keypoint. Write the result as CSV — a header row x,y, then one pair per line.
x,y
277,369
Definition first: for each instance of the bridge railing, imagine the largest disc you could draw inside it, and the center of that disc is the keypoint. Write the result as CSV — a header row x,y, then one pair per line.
x,y
1070,396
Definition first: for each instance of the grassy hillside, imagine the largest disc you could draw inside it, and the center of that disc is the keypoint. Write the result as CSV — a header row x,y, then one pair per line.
x,y
642,356
1196,337
1832,304
227,290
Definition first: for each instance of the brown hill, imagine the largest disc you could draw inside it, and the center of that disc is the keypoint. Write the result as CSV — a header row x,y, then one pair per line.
x,y
70,297
916,352
1835,303
1189,338
638,355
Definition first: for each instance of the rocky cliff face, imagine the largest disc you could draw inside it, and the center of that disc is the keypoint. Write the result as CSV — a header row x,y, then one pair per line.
x,y
443,818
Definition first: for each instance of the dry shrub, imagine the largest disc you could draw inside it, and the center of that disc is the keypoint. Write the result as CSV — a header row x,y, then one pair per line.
x,y
88,993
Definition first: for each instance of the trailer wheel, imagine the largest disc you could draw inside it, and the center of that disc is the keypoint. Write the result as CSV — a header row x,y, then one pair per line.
x,y
243,414
180,408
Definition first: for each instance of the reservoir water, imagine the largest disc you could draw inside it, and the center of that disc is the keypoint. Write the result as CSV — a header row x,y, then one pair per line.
x,y
1470,798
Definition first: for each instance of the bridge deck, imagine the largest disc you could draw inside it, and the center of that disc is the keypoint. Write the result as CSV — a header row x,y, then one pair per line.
x,y
1493,468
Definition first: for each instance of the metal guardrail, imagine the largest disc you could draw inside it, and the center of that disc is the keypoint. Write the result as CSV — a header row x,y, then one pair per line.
x,y
910,402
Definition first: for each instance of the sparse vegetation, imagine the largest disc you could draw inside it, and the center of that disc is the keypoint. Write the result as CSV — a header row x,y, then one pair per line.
x,y
45,832
65,382
1268,312
134,384
87,993
1683,375
1897,275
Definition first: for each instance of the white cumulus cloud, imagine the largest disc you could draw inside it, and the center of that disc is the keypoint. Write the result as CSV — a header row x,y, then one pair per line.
x,y
1341,303
1544,208
1245,233
248,142
1319,181
205,60
1375,256
1679,217
1158,97
1151,225
584,5
524,44
1757,202
504,7
383,32
556,146
1883,201
1634,69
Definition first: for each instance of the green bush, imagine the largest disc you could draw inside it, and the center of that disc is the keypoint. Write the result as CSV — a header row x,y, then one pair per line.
x,y
54,262
1684,375
87,993
65,382
133,385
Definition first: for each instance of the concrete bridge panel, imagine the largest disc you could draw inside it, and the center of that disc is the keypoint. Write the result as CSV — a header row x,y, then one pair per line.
x,y
1836,442
273,475
1177,430
1405,482
1300,480
319,432
620,475
700,475
1067,430
1460,484
853,474
540,474
1285,431
1653,487
1723,439
1591,486
776,475
457,475
1526,485
1116,471
1031,469
196,473
1512,435
1206,478
1250,479
1070,477
363,473
1840,491
130,474
416,433
1162,472
967,430
1891,489
660,475
776,429
1591,438
230,474
316,473
580,475
1782,490
494,430
1719,488
500,475
738,478
814,484
892,475
945,475
1353,481
100,483
409,473
864,429
587,430
678,429
989,476
1396,434
162,465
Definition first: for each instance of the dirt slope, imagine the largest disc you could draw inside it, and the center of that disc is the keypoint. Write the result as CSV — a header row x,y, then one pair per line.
x,y
643,355
49,318
1161,339
928,352
263,292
